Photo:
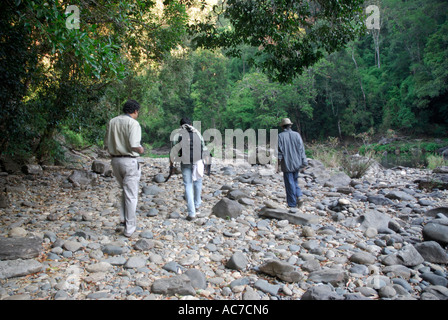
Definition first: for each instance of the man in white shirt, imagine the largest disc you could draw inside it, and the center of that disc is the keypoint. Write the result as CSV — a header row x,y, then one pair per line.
x,y
123,141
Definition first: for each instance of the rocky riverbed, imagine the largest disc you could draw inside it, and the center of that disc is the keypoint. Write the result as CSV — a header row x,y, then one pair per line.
x,y
378,237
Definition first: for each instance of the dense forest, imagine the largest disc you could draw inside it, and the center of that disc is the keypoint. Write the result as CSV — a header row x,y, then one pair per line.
x,y
228,64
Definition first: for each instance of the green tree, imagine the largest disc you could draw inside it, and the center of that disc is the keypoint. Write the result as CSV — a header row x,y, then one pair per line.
x,y
209,88
75,64
290,35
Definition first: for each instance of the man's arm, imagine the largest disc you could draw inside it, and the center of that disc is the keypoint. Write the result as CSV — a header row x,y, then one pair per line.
x,y
279,154
135,138
140,150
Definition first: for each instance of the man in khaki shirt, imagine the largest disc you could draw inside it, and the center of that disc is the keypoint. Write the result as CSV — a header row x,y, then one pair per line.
x,y
123,143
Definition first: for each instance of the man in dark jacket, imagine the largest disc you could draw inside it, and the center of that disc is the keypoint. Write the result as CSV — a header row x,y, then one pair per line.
x,y
292,158
191,147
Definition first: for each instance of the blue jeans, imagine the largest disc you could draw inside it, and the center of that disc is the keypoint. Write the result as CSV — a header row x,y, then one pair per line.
x,y
193,189
292,188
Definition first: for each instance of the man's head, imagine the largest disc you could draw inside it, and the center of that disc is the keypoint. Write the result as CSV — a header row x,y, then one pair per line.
x,y
185,120
286,123
131,107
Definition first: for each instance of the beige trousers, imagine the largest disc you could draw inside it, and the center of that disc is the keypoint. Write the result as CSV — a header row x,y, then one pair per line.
x,y
127,172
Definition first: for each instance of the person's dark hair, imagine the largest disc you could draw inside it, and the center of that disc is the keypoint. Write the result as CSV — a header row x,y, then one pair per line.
x,y
185,120
130,106
288,126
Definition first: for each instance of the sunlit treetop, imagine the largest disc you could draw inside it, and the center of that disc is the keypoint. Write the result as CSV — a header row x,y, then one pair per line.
x,y
290,35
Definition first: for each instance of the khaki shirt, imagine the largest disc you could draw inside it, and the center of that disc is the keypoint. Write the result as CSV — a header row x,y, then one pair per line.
x,y
123,133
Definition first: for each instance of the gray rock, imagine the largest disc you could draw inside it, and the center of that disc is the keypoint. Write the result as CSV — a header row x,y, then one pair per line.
x,y
227,208
144,245
281,214
282,270
339,179
72,245
173,266
159,178
82,177
112,250
152,212
379,200
238,261
432,251
399,195
363,257
435,292
197,277
435,279
20,248
266,287
152,190
387,292
321,292
180,284
135,262
251,294
19,268
236,194
99,267
409,256
116,260
332,276
397,270
34,169
102,167
359,269
99,295
373,219
239,282
246,201
311,265
436,232
434,212
403,283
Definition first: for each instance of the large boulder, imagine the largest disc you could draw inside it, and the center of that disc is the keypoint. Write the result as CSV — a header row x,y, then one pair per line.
x,y
282,270
82,178
436,232
19,268
20,248
281,214
33,169
102,167
227,208
180,284
374,219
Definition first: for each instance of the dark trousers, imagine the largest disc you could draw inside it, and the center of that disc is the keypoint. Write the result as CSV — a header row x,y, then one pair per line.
x,y
292,188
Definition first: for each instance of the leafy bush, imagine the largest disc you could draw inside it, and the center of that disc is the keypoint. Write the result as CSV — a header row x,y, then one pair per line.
x,y
356,166
435,161
326,152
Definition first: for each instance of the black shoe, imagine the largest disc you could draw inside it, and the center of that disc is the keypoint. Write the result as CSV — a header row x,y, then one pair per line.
x,y
191,218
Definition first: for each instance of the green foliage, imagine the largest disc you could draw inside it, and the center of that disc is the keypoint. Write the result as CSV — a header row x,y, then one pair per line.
x,y
265,60
435,161
59,73
291,35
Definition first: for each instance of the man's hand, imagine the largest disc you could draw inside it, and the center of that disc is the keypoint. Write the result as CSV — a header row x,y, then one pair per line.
x,y
139,150
277,166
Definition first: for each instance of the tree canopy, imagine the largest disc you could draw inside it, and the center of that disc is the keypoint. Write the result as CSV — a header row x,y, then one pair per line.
x,y
229,64
291,35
